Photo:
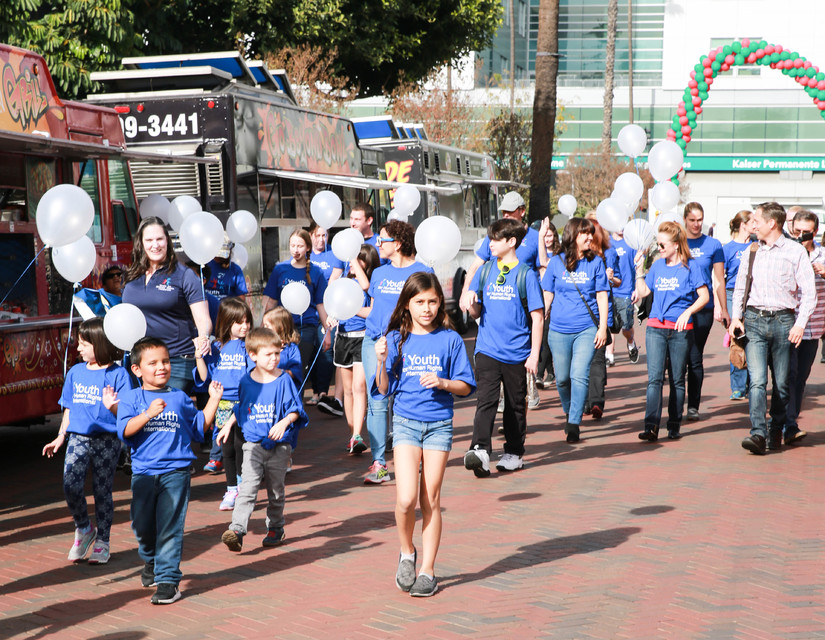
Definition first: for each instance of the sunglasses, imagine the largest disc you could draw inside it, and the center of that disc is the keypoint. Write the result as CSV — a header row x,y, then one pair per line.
x,y
381,240
502,275
660,245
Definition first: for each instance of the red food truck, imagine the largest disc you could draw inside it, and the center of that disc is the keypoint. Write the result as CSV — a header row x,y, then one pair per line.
x,y
48,141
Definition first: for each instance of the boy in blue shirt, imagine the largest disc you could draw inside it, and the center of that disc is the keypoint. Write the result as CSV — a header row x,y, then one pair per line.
x,y
158,423
507,346
270,413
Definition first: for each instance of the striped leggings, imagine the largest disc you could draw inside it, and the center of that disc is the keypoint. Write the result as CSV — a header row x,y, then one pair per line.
x,y
102,452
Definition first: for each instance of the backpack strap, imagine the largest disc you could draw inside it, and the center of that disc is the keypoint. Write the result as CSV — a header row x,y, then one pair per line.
x,y
482,279
521,286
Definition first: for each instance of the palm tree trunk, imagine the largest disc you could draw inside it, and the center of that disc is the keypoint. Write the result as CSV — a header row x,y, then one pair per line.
x,y
512,56
544,108
610,60
630,58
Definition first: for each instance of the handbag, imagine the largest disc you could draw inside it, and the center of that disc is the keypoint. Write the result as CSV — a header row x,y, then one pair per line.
x,y
590,311
737,344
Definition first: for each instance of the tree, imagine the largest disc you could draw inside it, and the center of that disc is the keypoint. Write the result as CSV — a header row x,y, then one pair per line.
x,y
544,108
609,64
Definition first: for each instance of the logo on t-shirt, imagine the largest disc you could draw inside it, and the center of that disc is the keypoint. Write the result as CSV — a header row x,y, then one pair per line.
x,y
697,252
166,421
666,284
620,251
165,286
231,362
85,394
416,365
391,287
500,292
261,413
323,265
579,277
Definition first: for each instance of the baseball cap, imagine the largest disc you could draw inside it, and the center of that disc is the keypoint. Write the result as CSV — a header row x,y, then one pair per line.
x,y
511,201
226,248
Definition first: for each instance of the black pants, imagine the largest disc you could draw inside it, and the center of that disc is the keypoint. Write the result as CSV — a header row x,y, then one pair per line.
x,y
702,324
490,373
598,379
545,356
232,451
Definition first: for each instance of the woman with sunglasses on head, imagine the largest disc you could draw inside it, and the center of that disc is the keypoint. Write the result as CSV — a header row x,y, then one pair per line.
x,y
679,291
396,243
576,287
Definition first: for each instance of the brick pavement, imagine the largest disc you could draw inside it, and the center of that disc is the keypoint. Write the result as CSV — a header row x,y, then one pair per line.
x,y
612,538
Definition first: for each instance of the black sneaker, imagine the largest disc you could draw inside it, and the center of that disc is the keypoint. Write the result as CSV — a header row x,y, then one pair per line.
x,y
167,593
633,353
273,538
424,586
147,576
233,540
330,406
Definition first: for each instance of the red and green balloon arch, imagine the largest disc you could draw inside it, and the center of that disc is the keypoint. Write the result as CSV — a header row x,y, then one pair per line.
x,y
740,53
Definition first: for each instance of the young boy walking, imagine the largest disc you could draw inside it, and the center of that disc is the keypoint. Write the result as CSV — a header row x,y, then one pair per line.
x,y
507,298
269,413
159,423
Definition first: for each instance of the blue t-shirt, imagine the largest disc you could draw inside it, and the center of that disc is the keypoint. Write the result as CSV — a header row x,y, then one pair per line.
x,y
283,274
674,288
227,282
214,306
707,252
733,255
110,298
165,443
527,252
165,302
627,268
385,287
227,364
82,396
262,405
291,361
503,331
442,352
326,262
355,323
568,314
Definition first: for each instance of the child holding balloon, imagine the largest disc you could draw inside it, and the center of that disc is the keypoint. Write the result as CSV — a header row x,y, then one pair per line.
x,y
423,363
90,428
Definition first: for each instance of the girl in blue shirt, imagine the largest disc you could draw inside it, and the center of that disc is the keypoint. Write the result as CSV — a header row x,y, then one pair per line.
x,y
280,321
741,227
228,362
423,363
679,291
92,438
300,269
574,335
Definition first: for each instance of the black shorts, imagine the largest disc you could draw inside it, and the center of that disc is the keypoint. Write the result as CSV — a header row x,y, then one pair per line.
x,y
347,350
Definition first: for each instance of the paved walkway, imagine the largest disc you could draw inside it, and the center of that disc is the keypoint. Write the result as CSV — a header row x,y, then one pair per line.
x,y
611,538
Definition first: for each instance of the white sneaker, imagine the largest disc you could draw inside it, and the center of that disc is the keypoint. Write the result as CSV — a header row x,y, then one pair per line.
x,y
510,462
228,502
82,543
478,461
609,359
100,553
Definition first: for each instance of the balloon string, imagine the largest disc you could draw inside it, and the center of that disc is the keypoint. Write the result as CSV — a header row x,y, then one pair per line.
x,y
636,166
8,293
203,291
75,287
314,360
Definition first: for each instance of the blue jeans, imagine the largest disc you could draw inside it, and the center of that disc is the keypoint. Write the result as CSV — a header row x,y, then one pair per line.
x,y
436,435
738,377
181,373
572,355
661,344
158,511
802,359
377,409
768,338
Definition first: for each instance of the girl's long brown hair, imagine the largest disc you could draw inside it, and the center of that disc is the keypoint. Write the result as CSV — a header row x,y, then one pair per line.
x,y
91,331
401,320
303,234
568,241
677,234
230,311
280,321
140,261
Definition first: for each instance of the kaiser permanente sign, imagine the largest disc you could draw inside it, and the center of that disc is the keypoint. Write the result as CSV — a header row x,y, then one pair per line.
x,y
734,163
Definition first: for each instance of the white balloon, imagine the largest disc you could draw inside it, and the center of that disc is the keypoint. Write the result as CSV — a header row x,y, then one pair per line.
x,y
477,245
75,261
240,256
241,226
437,240
629,187
295,298
664,196
155,206
667,217
632,140
395,214
665,159
406,199
181,208
559,220
124,324
325,208
201,236
65,213
639,234
612,214
343,298
567,205
346,244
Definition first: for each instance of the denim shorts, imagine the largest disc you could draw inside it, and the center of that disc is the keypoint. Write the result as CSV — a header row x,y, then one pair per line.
x,y
626,311
434,436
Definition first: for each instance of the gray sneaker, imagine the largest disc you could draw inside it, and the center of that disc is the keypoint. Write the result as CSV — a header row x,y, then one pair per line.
x,y
478,461
82,544
532,392
424,586
693,414
405,575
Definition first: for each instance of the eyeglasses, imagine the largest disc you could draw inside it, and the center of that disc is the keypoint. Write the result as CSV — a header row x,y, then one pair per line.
x,y
381,240
502,275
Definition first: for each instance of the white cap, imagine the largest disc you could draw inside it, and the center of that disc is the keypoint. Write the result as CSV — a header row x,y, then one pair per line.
x,y
511,201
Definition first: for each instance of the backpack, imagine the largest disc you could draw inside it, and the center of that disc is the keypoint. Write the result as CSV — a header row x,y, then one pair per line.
x,y
521,286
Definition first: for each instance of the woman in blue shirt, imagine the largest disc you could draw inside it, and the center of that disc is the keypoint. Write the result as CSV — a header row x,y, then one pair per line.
x,y
679,291
742,225
576,287
170,297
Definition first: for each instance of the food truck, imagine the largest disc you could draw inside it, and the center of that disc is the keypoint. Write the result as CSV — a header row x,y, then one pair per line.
x,y
47,141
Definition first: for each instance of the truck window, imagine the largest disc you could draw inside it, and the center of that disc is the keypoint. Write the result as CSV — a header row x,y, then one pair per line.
x,y
89,183
125,212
